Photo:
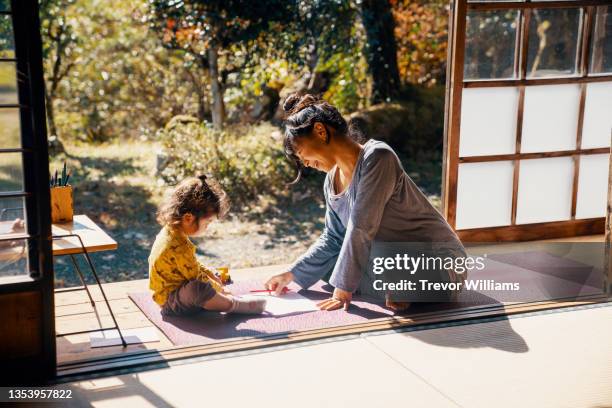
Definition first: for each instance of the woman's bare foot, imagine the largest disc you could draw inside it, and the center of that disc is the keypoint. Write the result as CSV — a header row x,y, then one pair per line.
x,y
397,306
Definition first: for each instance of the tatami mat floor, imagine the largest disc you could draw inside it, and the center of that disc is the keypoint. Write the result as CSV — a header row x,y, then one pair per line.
x,y
554,359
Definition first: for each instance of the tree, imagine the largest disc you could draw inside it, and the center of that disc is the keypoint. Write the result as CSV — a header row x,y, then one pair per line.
x,y
220,36
421,31
123,83
381,49
59,43
323,31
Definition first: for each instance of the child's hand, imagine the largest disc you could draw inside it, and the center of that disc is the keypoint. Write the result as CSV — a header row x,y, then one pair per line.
x,y
216,279
278,282
225,291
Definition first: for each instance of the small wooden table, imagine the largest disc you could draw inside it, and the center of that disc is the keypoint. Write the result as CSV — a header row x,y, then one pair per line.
x,y
93,237
83,236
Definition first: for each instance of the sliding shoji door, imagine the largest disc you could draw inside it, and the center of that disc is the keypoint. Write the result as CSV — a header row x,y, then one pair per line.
x,y
528,118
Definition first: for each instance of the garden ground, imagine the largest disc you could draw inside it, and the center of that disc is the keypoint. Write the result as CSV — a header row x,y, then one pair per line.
x,y
116,185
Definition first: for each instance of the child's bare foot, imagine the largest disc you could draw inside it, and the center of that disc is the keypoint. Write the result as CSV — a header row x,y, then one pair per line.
x,y
247,306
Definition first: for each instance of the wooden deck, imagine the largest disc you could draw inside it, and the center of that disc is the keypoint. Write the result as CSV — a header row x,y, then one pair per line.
x,y
74,312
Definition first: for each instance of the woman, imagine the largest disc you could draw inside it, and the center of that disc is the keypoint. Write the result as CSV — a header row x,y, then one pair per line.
x,y
368,197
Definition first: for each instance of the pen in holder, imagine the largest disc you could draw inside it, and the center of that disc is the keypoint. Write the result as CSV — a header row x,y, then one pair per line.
x,y
61,197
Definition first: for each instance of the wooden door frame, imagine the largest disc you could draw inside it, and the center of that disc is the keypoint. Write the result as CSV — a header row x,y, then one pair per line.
x,y
455,85
40,364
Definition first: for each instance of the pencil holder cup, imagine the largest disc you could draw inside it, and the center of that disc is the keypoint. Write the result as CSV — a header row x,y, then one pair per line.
x,y
61,204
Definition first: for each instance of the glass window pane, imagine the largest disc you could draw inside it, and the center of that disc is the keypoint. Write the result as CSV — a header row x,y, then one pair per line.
x,y
597,126
11,172
10,135
7,43
13,260
545,190
484,194
8,83
5,5
601,50
553,42
488,121
13,252
489,44
12,215
550,118
592,186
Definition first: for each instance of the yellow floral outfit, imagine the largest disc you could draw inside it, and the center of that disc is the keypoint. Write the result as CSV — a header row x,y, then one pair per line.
x,y
176,276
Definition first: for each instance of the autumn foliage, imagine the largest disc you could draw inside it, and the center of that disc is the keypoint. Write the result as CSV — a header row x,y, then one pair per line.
x,y
421,29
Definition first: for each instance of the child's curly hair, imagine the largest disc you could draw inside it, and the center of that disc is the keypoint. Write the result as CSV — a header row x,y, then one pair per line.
x,y
201,196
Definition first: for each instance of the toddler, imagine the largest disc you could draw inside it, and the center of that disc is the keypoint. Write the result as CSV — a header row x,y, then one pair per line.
x,y
180,283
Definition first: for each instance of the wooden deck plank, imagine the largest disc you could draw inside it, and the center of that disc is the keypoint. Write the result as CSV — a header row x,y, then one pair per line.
x,y
91,321
113,291
119,306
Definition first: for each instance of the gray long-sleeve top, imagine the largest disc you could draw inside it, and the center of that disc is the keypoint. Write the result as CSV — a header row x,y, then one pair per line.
x,y
381,203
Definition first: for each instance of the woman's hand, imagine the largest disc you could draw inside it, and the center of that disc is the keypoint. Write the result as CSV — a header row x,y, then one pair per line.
x,y
278,282
340,298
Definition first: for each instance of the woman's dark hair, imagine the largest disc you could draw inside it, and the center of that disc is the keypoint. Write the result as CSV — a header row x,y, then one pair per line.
x,y
200,196
303,111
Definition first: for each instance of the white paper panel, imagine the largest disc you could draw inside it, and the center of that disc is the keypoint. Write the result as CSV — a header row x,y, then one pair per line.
x,y
592,186
550,118
597,127
545,190
484,194
488,121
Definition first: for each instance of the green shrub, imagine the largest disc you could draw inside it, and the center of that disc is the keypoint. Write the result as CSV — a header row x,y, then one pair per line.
x,y
248,161
413,123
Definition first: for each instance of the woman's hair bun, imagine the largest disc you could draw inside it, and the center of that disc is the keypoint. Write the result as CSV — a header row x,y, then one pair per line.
x,y
296,102
290,102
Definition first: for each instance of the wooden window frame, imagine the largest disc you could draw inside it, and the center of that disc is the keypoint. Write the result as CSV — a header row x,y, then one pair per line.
x,y
36,290
455,83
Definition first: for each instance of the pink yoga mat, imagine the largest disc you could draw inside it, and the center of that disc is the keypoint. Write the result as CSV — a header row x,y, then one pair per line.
x,y
209,327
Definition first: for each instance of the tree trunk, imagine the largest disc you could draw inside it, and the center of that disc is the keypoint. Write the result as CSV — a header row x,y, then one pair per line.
x,y
216,90
55,145
200,90
381,49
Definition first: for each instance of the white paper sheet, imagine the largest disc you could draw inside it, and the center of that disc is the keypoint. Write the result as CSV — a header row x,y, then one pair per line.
x,y
108,338
285,304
